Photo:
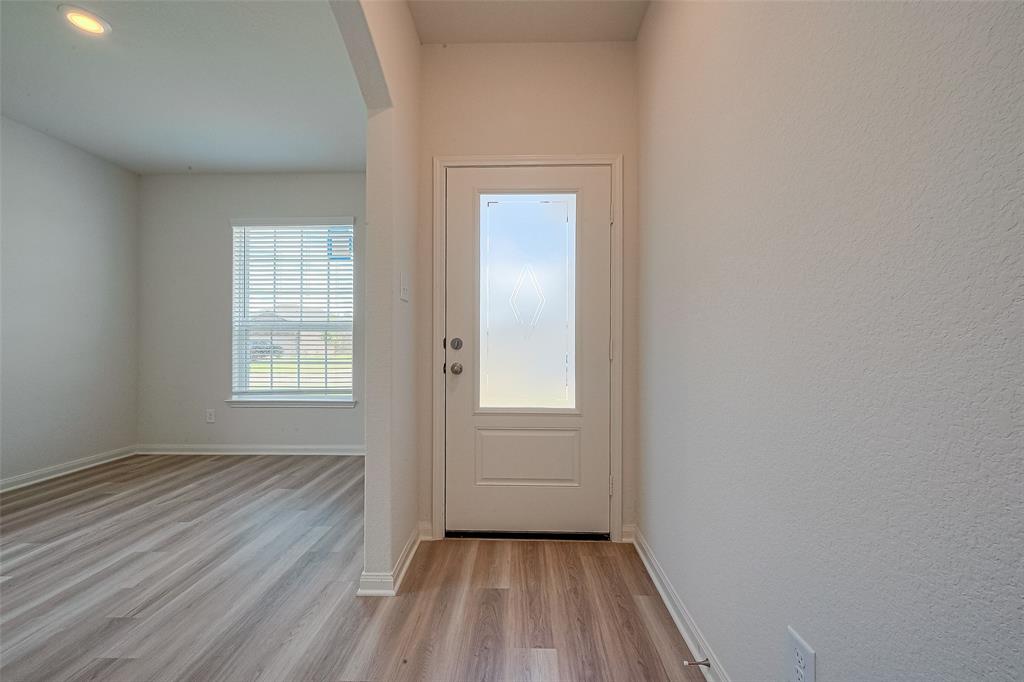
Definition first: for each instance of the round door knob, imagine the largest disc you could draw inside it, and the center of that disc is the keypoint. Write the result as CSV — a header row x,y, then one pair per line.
x,y
456,368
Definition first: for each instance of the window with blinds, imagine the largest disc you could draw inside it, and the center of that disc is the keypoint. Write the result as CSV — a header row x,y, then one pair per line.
x,y
293,309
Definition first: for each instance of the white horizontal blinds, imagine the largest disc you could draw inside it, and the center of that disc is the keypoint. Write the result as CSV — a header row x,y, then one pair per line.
x,y
294,289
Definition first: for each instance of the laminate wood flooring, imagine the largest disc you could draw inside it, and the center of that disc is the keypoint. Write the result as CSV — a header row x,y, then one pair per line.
x,y
245,568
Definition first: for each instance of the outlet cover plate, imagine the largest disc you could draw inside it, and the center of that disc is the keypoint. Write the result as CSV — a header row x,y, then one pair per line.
x,y
800,659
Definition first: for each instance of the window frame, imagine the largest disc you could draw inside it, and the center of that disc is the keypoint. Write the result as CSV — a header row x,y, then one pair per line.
x,y
281,399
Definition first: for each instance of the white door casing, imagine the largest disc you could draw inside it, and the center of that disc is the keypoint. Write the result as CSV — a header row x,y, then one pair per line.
x,y
527,422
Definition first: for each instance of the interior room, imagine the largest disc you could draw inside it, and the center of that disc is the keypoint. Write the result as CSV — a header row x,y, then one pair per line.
x,y
511,340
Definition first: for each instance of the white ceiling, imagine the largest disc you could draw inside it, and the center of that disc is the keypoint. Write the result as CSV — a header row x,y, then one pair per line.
x,y
526,21
180,85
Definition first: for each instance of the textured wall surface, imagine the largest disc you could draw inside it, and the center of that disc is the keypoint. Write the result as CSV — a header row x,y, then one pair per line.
x,y
69,293
832,364
185,307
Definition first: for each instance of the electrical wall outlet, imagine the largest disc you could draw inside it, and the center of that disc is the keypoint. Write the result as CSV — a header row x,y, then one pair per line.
x,y
211,416
800,658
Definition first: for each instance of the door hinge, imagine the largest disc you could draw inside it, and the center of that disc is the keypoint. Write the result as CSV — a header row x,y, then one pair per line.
x,y
611,485
611,348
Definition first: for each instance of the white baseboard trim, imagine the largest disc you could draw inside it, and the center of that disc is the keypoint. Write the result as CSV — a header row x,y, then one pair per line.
x,y
56,470
387,584
222,449
695,640
427,531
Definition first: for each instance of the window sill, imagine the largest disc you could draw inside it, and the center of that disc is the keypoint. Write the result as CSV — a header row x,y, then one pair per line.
x,y
290,402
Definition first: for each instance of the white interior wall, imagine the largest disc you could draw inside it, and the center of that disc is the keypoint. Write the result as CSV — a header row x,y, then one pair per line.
x,y
515,99
831,329
69,303
185,311
384,50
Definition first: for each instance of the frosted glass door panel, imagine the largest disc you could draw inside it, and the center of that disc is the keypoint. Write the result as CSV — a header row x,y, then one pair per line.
x,y
527,301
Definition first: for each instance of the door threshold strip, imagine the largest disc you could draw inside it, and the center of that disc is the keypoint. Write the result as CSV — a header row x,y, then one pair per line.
x,y
524,535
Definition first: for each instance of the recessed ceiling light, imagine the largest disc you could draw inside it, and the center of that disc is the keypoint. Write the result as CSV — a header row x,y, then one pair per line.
x,y
84,20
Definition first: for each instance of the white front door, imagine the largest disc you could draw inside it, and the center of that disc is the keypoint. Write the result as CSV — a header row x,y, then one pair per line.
x,y
527,403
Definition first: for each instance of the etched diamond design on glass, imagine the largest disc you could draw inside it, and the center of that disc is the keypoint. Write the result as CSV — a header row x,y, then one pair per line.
x,y
527,299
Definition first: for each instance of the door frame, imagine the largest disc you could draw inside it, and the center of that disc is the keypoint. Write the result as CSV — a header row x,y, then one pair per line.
x,y
441,166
